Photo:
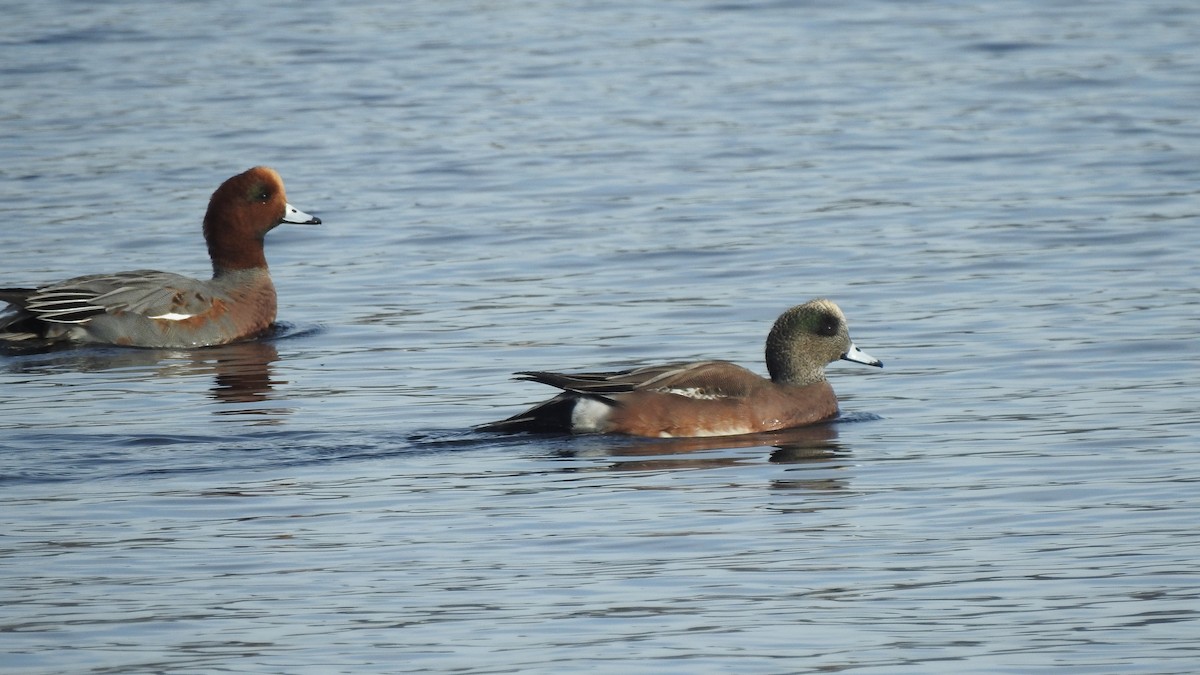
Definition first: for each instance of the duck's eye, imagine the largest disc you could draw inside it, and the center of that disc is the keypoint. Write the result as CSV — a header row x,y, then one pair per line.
x,y
260,193
828,326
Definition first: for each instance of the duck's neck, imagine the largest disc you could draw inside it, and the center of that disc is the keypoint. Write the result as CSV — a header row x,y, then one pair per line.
x,y
785,368
232,247
247,256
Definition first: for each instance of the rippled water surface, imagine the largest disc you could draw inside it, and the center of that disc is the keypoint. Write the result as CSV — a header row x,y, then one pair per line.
x,y
1003,197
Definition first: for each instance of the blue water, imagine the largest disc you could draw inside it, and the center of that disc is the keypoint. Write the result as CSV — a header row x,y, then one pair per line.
x,y
1003,197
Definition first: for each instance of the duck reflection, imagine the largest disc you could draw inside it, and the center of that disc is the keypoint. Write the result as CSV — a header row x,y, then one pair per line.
x,y
812,446
241,372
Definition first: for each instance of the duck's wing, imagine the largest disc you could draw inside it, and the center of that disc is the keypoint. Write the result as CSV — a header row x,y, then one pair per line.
x,y
694,379
147,292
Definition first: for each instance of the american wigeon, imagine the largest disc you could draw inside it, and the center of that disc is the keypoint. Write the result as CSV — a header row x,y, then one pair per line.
x,y
145,308
705,398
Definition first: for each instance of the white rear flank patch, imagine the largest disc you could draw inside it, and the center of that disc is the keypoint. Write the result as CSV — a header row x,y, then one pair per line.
x,y
172,316
589,415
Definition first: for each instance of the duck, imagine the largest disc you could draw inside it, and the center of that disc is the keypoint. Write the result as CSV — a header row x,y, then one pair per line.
x,y
704,398
152,309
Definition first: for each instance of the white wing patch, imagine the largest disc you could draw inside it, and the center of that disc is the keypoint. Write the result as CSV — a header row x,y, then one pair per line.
x,y
693,392
172,316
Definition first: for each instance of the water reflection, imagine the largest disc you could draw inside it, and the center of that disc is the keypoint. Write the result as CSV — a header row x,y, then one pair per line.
x,y
813,445
241,373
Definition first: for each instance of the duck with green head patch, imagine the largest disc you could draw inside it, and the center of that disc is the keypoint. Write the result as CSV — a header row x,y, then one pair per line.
x,y
705,398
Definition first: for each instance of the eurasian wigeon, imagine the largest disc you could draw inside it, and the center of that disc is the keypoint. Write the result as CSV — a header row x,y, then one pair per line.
x,y
145,308
705,398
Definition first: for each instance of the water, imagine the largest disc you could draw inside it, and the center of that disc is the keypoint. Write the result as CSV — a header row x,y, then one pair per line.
x,y
1001,196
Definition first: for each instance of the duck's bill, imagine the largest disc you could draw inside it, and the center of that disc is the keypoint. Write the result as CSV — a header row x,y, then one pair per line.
x,y
294,215
859,356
